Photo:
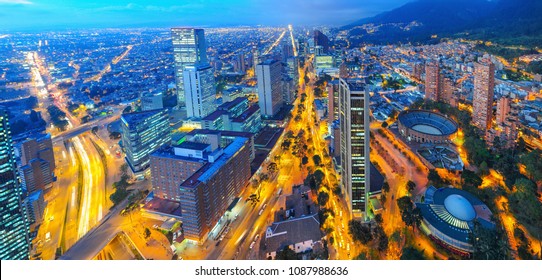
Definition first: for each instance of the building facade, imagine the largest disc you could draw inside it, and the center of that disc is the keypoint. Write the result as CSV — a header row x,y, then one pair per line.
x,y
270,99
206,195
142,134
354,134
200,90
152,101
14,240
482,102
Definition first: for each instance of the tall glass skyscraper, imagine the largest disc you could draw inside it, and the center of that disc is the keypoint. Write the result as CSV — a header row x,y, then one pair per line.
x,y
14,241
270,99
354,135
189,48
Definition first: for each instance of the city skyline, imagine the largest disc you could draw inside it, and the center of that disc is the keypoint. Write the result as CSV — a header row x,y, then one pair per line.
x,y
285,142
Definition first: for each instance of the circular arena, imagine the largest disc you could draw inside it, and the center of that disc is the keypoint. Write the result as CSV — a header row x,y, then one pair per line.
x,y
449,215
426,126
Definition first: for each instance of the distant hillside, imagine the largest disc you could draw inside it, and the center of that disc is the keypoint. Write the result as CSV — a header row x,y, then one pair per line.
x,y
516,22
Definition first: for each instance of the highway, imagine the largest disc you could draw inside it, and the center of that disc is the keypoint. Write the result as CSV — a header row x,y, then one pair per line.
x,y
78,200
97,237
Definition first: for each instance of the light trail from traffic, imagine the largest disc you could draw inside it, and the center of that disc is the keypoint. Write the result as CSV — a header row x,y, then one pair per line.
x,y
275,43
292,37
84,217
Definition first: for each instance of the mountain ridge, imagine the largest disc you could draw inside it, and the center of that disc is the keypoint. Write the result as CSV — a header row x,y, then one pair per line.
x,y
504,21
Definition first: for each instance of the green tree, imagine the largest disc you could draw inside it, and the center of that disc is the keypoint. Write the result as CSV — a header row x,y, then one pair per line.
x,y
533,165
411,186
286,254
524,203
147,233
317,160
360,232
264,177
434,177
410,215
489,244
411,253
323,198
385,187
484,169
378,219
470,181
272,168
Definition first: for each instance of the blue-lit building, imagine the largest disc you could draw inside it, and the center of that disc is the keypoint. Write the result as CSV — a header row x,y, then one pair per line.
x,y
235,115
142,134
14,240
449,215
269,78
189,48
199,90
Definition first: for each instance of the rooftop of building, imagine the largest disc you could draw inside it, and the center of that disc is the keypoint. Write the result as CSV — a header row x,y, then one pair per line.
x,y
231,104
377,180
165,206
268,136
453,212
247,113
209,169
289,232
137,117
193,145
214,115
221,132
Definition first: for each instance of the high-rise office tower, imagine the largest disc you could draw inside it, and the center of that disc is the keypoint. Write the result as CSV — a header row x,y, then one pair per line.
x,y
200,90
14,241
482,102
292,69
333,100
189,48
354,145
142,134
432,81
269,87
239,63
255,57
321,40
287,51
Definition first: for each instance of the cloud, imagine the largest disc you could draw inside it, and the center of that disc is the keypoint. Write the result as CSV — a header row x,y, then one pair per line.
x,y
15,2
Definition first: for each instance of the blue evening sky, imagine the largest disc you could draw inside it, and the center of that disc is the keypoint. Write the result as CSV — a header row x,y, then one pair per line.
x,y
53,14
